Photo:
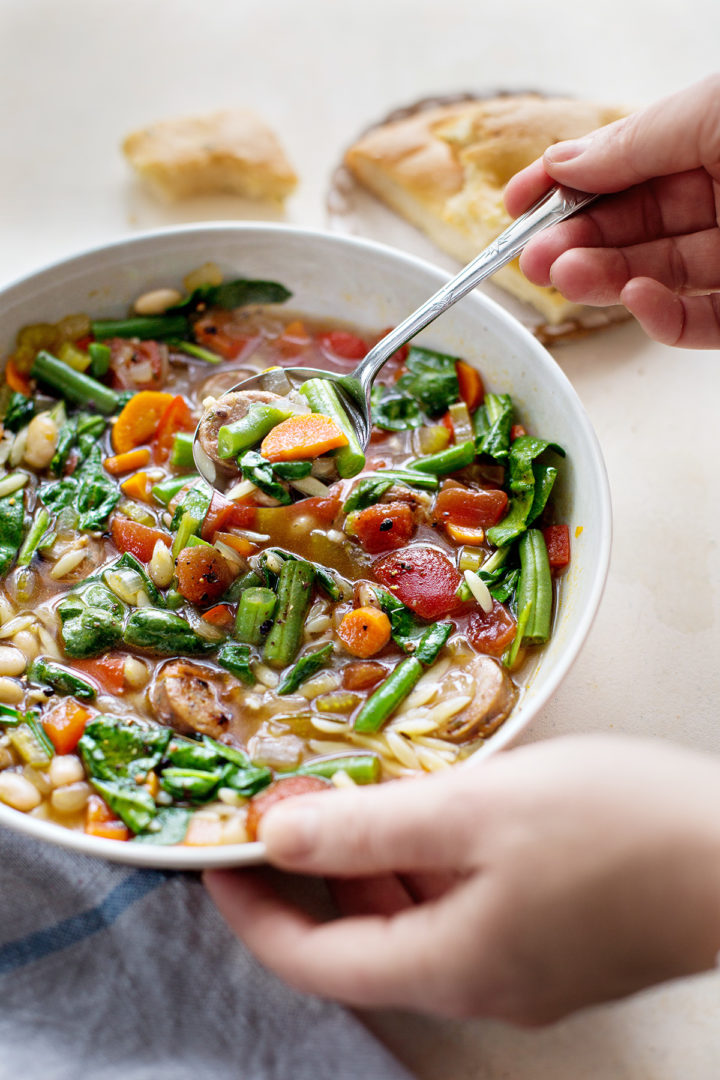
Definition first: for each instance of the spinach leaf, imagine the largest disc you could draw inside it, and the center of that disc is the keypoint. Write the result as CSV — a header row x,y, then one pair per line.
x,y
98,494
431,378
169,826
259,471
190,754
232,294
249,779
133,804
394,410
20,411
522,453
237,659
12,527
545,477
192,785
366,493
405,627
113,749
91,632
495,422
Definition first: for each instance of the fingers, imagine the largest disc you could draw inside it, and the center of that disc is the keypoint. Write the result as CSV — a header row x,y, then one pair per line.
x,y
690,322
366,961
526,187
680,132
383,894
405,825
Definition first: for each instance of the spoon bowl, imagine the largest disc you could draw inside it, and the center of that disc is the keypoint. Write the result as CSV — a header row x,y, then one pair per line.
x,y
556,205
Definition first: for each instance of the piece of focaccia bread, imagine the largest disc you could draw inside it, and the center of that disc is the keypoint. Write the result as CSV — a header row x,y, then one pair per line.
x,y
444,168
228,152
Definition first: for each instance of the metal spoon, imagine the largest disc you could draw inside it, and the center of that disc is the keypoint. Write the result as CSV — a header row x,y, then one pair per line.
x,y
554,206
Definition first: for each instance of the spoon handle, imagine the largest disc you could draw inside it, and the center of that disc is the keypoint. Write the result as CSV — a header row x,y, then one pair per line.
x,y
554,206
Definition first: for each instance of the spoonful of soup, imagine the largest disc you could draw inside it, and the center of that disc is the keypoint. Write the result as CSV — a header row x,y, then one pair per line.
x,y
298,424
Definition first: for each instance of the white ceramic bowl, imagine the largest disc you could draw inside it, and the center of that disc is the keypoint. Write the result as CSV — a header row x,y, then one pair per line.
x,y
373,287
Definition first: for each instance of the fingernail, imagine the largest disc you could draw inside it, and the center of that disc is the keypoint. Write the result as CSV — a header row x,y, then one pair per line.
x,y
566,151
290,832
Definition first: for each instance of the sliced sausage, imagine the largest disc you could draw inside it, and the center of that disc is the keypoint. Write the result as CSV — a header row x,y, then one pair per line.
x,y
493,700
187,697
138,365
226,410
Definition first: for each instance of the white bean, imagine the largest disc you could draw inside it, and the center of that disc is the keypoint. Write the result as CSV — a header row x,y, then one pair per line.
x,y
11,692
65,769
18,792
12,661
71,798
157,301
42,438
136,672
162,565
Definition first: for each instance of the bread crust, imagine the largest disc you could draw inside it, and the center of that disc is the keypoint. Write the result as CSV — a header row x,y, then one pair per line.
x,y
231,151
444,168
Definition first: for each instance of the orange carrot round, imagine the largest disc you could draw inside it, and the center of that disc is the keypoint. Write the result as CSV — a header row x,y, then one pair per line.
x,y
301,437
364,631
139,419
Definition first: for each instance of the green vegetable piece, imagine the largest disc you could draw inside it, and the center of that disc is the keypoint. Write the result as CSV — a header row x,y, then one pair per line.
x,y
362,768
515,521
113,749
258,471
227,753
410,478
446,461
190,754
498,418
10,717
166,490
90,633
248,581
181,455
249,429
535,585
38,529
44,672
99,359
383,702
196,351
169,826
139,577
432,642
145,327
366,493
98,595
432,379
163,632
248,780
394,410
12,526
323,577
132,803
193,785
545,477
20,411
307,665
255,615
237,659
31,743
323,398
295,586
74,385
232,294
405,626
292,470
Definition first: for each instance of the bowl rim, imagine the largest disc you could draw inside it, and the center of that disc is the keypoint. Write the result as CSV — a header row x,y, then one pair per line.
x,y
178,857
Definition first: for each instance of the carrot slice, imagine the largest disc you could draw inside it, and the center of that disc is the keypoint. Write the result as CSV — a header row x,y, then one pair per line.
x,y
65,723
238,543
138,486
364,631
176,417
107,671
221,615
127,462
472,390
302,437
16,379
139,420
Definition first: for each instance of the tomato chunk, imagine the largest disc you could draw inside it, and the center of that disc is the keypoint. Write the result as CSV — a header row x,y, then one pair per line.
x,y
384,526
423,578
279,790
363,674
108,671
470,509
557,541
493,631
343,343
138,539
218,333
203,574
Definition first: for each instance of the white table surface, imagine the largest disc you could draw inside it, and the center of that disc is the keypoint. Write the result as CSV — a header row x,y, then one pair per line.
x,y
76,76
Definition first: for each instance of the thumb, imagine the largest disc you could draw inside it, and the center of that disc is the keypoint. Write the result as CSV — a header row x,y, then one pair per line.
x,y
678,133
404,825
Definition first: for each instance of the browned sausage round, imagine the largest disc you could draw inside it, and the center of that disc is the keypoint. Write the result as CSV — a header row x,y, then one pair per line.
x,y
226,410
279,790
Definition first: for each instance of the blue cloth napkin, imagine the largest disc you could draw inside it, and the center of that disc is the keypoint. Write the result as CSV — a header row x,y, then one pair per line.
x,y
111,972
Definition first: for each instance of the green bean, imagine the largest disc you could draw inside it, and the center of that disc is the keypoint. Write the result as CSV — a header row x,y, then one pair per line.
x,y
166,490
362,768
323,398
294,591
74,385
33,538
10,717
181,455
446,461
99,359
432,642
44,672
323,578
249,429
251,580
163,632
424,481
196,351
384,701
535,585
145,327
306,666
254,615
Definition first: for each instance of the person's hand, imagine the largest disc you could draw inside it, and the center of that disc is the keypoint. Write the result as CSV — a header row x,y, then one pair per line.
x,y
654,246
545,879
